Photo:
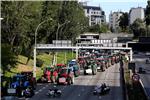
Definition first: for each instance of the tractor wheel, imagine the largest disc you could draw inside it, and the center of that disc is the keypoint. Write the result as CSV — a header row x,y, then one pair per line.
x,y
72,80
94,72
85,72
69,81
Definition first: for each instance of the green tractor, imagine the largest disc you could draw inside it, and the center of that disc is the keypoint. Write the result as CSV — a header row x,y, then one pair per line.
x,y
90,68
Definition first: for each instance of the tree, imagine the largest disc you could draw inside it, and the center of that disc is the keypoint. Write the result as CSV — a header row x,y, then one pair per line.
x,y
22,18
104,28
13,13
20,21
61,12
74,13
138,28
147,13
8,59
123,21
94,28
148,30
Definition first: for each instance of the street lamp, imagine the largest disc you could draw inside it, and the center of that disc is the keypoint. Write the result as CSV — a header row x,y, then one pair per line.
x,y
0,38
1,18
34,68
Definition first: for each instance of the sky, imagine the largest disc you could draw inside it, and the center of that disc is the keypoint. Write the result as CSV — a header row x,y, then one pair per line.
x,y
116,5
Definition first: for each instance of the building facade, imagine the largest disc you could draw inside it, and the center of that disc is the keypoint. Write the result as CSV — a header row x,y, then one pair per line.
x,y
114,20
92,39
95,14
136,13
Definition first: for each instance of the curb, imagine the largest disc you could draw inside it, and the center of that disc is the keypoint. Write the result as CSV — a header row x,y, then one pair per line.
x,y
147,97
125,93
125,87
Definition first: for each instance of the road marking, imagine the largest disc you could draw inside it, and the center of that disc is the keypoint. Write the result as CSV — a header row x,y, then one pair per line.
x,y
40,90
36,92
43,87
99,97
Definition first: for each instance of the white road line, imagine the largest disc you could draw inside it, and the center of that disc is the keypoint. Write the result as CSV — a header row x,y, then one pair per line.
x,y
40,90
99,97
44,87
36,92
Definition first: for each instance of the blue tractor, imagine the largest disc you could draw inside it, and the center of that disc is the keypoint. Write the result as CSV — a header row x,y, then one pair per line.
x,y
75,67
19,84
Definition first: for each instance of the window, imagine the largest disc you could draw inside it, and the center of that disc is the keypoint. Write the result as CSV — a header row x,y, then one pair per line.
x,y
83,36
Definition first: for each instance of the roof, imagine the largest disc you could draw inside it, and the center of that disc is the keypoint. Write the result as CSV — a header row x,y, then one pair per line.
x,y
92,7
90,34
135,9
18,75
73,60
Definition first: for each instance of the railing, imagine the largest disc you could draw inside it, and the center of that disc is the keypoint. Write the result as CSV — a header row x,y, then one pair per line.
x,y
101,44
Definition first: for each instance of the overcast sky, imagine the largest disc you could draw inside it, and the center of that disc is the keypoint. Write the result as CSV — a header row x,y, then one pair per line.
x,y
116,5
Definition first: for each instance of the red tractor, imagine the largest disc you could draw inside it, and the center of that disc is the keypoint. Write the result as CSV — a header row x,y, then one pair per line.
x,y
100,64
81,61
55,72
66,76
46,77
58,67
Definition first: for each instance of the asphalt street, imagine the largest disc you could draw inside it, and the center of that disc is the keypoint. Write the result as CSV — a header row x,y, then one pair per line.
x,y
83,87
140,60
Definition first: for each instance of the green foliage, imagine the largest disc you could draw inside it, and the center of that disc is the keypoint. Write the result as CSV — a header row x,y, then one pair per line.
x,y
39,62
123,21
104,28
8,59
94,28
138,28
148,13
98,28
22,18
148,30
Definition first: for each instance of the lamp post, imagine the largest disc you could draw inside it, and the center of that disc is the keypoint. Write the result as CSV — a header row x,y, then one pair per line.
x,y
0,40
59,26
1,18
34,68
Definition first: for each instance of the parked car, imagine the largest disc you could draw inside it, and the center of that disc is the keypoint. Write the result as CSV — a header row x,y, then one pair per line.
x,y
66,76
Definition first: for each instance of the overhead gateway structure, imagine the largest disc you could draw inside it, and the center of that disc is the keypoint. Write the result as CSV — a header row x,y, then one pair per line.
x,y
50,47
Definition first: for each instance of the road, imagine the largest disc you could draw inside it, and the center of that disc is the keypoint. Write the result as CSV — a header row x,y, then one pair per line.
x,y
145,77
84,85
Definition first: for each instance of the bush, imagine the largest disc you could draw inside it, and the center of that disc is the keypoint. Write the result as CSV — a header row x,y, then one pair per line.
x,y
39,62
